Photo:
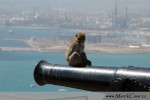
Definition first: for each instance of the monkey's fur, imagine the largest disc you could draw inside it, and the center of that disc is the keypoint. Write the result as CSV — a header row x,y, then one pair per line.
x,y
75,54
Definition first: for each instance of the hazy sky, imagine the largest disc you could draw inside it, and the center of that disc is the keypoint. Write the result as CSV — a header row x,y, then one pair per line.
x,y
73,5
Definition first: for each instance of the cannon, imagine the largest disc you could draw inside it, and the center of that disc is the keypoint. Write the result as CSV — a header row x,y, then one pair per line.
x,y
93,78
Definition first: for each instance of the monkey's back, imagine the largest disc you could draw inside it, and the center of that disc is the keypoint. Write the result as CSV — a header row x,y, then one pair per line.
x,y
71,47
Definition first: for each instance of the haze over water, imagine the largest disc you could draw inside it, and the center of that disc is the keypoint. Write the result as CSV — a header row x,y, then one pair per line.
x,y
73,5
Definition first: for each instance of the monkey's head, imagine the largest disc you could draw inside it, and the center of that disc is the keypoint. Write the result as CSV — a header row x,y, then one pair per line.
x,y
80,37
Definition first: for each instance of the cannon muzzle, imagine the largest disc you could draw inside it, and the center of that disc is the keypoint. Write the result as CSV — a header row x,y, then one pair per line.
x,y
92,78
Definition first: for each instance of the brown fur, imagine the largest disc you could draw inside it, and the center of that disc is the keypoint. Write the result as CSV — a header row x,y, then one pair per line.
x,y
75,54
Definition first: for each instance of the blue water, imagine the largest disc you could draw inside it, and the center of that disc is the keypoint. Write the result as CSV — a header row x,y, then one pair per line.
x,y
10,43
16,68
26,33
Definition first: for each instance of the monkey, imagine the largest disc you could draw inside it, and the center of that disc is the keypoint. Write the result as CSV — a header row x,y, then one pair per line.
x,y
75,55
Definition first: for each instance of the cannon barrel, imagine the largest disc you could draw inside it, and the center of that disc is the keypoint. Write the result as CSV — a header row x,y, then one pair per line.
x,y
100,78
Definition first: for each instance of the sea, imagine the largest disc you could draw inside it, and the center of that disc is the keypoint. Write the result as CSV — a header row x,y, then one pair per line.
x,y
16,68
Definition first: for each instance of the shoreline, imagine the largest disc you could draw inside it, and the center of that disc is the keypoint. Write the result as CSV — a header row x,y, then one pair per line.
x,y
40,45
53,45
108,50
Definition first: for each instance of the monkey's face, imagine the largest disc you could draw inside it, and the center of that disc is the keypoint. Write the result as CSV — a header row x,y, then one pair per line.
x,y
80,37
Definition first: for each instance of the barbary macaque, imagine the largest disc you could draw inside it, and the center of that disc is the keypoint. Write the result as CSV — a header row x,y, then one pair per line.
x,y
75,54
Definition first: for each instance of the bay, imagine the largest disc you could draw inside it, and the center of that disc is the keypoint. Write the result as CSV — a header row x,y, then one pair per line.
x,y
17,67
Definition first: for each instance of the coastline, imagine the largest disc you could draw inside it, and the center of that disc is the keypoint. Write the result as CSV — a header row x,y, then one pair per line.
x,y
52,45
89,49
40,45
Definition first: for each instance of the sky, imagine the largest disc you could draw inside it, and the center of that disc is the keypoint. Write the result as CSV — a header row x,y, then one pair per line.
x,y
73,5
